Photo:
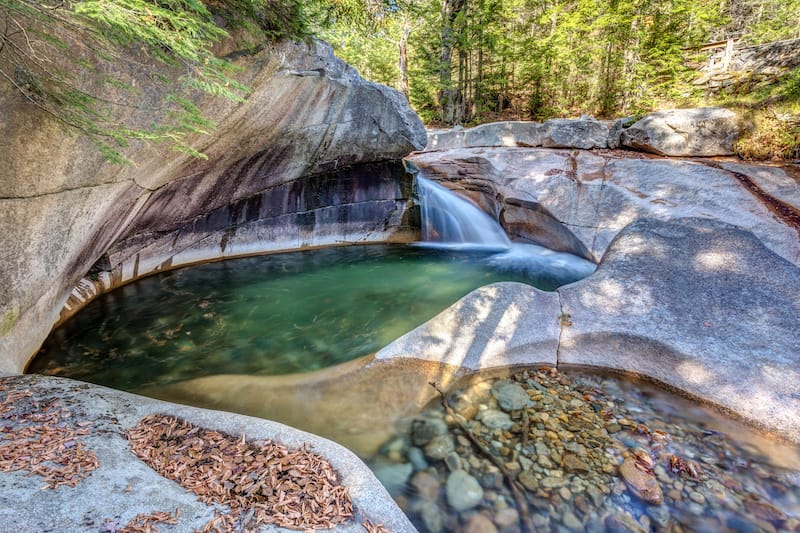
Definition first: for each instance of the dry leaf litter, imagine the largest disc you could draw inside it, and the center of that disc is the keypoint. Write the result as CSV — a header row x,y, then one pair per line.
x,y
262,483
40,436
142,523
374,528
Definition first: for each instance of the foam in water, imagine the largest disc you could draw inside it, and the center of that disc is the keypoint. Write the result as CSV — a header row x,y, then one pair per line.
x,y
451,221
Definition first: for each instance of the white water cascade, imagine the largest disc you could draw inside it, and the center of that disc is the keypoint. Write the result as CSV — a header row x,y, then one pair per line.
x,y
451,221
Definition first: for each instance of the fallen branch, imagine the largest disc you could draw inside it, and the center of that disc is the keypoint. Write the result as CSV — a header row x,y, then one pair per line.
x,y
526,523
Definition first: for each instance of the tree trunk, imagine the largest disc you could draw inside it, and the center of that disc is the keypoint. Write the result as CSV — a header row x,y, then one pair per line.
x,y
447,93
403,60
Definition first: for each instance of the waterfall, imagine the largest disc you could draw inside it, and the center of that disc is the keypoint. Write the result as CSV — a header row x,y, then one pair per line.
x,y
451,221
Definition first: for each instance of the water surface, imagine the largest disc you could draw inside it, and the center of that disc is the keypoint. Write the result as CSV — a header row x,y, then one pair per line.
x,y
276,314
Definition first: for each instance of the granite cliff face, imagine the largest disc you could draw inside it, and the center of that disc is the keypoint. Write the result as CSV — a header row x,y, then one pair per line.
x,y
292,154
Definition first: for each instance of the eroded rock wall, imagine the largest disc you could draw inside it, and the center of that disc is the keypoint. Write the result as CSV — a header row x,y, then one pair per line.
x,y
63,207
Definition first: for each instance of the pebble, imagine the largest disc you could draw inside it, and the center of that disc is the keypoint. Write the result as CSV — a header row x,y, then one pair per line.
x,y
439,447
565,493
697,498
575,464
571,521
479,524
432,517
510,396
494,419
506,517
426,485
453,461
423,429
394,476
417,458
544,461
530,480
643,485
552,482
463,491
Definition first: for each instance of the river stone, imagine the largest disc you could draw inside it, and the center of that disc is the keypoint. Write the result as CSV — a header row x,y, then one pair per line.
x,y
643,485
439,447
622,523
511,396
494,419
426,485
417,458
584,133
553,482
431,516
574,463
571,521
706,131
763,509
423,429
463,491
506,517
479,524
529,480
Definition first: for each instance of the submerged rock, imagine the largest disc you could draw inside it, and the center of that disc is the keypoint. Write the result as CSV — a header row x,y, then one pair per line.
x,y
642,484
479,524
463,491
510,396
494,419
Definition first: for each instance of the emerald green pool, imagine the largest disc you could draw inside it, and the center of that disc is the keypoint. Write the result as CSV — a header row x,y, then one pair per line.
x,y
278,314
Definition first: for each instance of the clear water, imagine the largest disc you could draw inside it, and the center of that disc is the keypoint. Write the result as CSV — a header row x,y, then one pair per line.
x,y
564,450
452,221
276,314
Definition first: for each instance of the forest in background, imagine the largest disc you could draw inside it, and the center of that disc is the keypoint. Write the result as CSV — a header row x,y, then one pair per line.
x,y
459,62
473,61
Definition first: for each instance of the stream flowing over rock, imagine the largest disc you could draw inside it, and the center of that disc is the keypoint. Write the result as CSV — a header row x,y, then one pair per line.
x,y
63,208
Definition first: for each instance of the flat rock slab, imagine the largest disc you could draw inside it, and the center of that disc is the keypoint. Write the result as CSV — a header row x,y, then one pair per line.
x,y
123,486
497,325
594,195
699,305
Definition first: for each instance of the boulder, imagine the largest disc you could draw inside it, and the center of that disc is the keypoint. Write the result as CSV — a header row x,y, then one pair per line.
x,y
584,133
697,132
504,134
615,132
63,208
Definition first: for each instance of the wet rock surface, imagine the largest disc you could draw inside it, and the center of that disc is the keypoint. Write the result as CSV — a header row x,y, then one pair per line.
x,y
594,453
